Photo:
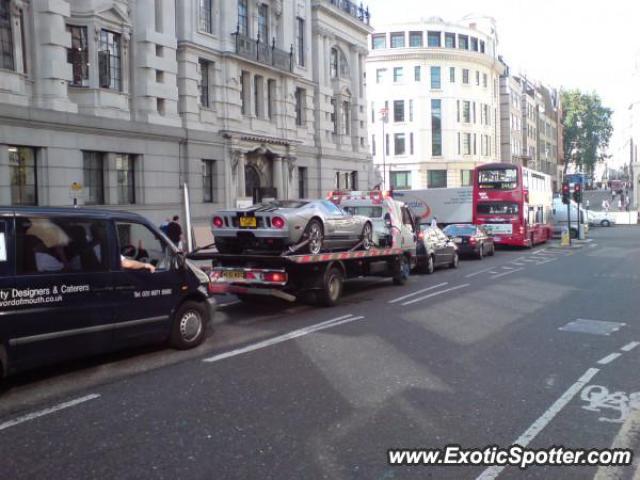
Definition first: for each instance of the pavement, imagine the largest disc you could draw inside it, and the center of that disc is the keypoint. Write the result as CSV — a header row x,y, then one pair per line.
x,y
539,347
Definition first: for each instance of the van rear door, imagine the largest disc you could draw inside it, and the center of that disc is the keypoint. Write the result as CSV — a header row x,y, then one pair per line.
x,y
63,289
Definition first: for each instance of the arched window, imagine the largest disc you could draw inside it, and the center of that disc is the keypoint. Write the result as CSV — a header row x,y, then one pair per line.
x,y
338,63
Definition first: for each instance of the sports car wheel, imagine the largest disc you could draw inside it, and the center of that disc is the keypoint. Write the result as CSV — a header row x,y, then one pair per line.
x,y
315,236
367,236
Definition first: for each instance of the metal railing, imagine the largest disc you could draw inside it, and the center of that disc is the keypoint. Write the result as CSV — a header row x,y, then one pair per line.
x,y
359,12
259,51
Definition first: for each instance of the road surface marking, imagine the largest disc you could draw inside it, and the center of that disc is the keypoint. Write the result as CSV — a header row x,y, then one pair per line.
x,y
537,426
507,268
399,299
506,273
478,272
599,400
626,438
630,346
283,338
609,358
419,299
47,411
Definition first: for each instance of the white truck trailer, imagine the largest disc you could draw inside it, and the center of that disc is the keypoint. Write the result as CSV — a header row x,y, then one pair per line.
x,y
446,205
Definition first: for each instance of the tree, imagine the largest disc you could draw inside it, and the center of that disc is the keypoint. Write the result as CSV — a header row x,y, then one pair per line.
x,y
587,129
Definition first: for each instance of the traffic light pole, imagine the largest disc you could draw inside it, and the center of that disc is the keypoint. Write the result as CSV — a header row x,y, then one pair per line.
x,y
569,219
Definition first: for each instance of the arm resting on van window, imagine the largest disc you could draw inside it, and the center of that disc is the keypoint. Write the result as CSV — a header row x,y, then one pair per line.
x,y
129,264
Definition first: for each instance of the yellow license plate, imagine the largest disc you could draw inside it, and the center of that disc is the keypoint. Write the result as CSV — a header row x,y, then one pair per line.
x,y
248,222
233,275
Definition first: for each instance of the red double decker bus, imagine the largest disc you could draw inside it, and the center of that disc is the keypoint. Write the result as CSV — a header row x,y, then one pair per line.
x,y
513,203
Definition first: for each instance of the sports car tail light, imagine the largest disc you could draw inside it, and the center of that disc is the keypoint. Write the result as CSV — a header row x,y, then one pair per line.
x,y
218,222
275,277
277,222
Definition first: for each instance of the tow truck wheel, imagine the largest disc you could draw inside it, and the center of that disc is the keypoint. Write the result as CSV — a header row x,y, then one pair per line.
x,y
189,326
402,270
315,235
332,284
367,236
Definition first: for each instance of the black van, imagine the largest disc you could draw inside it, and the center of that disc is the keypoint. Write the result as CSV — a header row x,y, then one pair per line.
x,y
79,282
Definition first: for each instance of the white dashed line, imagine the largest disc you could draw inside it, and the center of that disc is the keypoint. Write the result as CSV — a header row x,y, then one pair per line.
x,y
506,273
478,272
415,300
609,358
418,292
630,346
47,411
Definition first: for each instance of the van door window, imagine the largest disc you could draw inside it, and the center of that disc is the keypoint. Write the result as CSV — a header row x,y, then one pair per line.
x,y
6,255
51,245
3,243
138,242
406,218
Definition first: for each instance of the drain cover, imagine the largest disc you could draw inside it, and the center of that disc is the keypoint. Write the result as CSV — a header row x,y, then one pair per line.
x,y
594,327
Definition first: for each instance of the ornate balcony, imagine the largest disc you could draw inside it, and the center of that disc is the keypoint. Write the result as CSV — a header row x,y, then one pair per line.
x,y
359,12
259,51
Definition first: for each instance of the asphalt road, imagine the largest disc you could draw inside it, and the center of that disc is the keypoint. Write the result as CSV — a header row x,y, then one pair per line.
x,y
498,351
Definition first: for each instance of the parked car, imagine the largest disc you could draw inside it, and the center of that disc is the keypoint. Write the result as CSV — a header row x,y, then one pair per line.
x,y
435,249
471,239
602,219
277,225
77,282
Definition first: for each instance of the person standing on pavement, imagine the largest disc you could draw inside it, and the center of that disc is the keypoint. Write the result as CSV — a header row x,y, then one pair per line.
x,y
174,230
605,205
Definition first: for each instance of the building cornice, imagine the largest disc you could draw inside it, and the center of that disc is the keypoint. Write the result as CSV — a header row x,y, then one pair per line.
x,y
432,54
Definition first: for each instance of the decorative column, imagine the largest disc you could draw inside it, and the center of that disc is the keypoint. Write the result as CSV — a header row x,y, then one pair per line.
x,y
278,177
238,158
291,171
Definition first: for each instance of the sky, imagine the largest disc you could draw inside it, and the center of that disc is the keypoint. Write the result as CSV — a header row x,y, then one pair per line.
x,y
586,44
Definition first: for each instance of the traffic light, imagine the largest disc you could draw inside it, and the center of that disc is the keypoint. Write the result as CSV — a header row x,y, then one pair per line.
x,y
577,193
565,193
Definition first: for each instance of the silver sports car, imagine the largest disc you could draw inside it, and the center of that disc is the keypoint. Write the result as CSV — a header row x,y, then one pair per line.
x,y
278,225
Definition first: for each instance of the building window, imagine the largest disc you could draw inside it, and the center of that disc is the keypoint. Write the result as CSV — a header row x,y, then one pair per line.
x,y
475,144
458,111
465,76
411,143
436,127
258,96
333,63
433,39
484,80
346,118
411,110
466,144
435,78
78,56
481,46
208,181
463,42
466,111
6,36
474,111
301,98
24,179
400,180
379,40
263,23
125,179
300,44
386,144
477,78
302,182
458,143
397,40
398,110
93,177
271,98
243,18
416,73
334,115
397,74
205,67
436,179
450,40
373,145
474,44
206,15
380,74
244,93
452,74
109,60
415,39
399,144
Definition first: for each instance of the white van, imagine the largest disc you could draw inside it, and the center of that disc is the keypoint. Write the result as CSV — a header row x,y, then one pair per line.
x,y
559,217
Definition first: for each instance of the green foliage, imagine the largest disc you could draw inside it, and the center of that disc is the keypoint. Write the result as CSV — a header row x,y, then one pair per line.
x,y
586,144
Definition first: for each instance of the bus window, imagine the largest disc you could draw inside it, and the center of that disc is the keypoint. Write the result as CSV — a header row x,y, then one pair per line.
x,y
498,178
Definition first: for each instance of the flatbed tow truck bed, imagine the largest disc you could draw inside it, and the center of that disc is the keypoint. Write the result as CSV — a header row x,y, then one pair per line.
x,y
289,276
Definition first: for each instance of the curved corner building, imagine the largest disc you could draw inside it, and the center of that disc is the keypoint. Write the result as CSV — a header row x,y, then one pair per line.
x,y
437,84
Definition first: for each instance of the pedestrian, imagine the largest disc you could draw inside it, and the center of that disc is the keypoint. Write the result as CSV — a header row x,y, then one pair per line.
x,y
174,230
434,222
605,205
164,226
620,204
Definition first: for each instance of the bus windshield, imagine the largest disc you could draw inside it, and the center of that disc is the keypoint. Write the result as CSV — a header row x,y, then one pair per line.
x,y
498,178
497,208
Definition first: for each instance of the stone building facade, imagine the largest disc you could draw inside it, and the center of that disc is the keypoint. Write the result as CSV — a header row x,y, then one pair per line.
x,y
240,99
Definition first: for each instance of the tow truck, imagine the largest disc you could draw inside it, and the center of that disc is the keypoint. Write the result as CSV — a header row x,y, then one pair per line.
x,y
291,276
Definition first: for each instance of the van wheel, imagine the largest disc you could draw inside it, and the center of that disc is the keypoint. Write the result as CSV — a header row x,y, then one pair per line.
x,y
332,284
402,270
189,326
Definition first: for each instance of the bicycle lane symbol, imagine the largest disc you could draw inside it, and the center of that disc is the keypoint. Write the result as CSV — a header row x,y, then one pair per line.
x,y
617,403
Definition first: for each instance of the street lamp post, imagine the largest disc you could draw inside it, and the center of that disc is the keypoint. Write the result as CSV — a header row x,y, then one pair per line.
x,y
384,114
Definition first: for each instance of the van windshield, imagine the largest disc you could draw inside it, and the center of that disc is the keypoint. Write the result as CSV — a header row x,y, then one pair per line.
x,y
371,212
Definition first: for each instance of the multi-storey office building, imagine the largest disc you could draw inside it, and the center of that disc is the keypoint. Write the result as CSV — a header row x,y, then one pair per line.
x,y
129,99
437,84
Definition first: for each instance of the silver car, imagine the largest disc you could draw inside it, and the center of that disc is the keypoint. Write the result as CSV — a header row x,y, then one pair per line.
x,y
286,224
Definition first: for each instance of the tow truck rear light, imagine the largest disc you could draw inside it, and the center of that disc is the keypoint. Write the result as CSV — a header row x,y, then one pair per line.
x,y
277,222
275,277
472,240
218,222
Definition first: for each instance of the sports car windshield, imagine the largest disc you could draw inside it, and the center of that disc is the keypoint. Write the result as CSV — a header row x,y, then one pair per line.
x,y
286,204
371,212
